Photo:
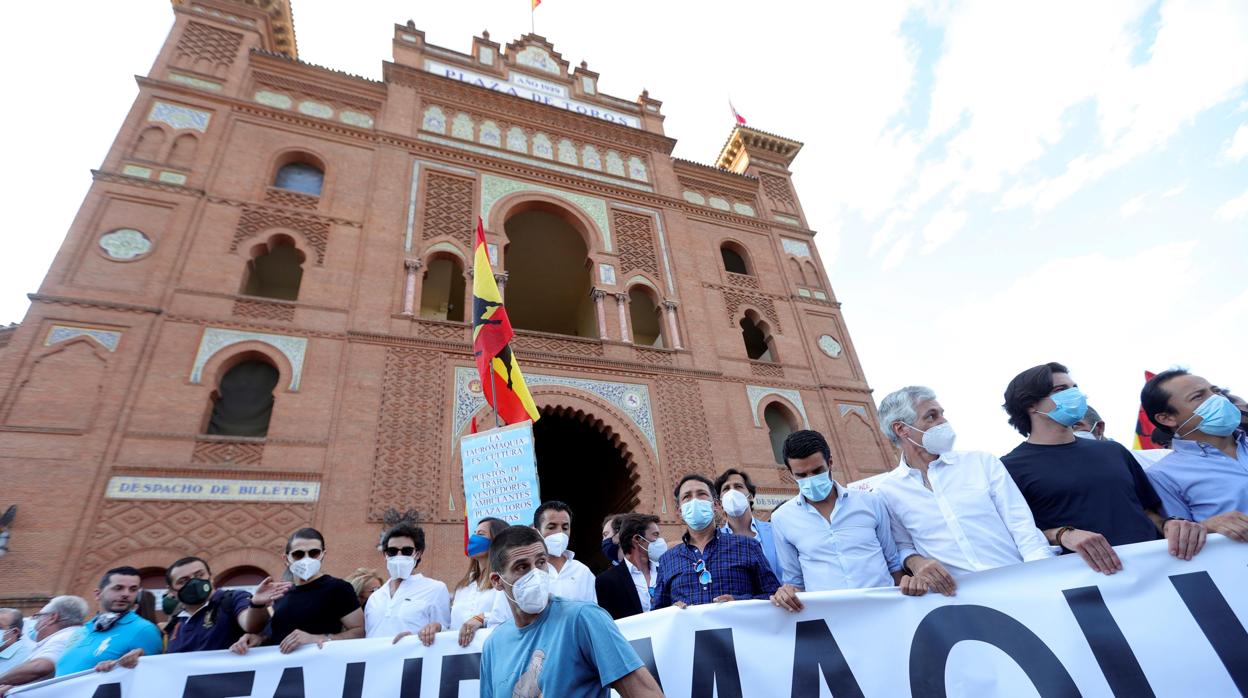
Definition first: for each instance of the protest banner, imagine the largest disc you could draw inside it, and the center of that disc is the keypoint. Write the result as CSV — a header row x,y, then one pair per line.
x,y
1161,627
500,474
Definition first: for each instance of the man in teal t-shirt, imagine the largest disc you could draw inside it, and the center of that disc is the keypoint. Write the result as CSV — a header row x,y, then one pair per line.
x,y
552,646
117,634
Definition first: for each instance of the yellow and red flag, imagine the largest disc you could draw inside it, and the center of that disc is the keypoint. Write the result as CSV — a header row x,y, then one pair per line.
x,y
501,380
1144,425
535,4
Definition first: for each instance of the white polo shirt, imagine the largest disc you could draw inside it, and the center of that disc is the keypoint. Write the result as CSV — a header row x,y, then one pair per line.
x,y
417,602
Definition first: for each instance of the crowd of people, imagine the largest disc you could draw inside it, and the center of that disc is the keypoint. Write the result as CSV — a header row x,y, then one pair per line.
x,y
939,515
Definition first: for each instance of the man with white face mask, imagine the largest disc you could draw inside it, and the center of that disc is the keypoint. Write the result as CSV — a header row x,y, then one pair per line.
x,y
1205,479
628,589
953,512
569,578
552,646
318,608
736,498
407,603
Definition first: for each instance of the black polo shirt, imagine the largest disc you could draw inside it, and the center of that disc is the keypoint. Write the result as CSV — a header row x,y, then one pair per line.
x,y
213,627
317,607
1091,485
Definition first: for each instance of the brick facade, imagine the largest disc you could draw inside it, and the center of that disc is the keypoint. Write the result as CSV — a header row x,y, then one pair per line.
x,y
112,372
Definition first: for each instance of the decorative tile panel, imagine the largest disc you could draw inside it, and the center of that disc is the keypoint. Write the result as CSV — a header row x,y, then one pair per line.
x,y
534,162
632,399
587,84
461,126
615,163
137,171
172,178
846,409
180,117
355,118
320,111
489,134
535,57
791,220
694,198
542,147
829,346
606,274
637,169
434,120
494,188
797,248
215,339
516,140
719,203
273,99
486,55
64,333
590,158
567,152
756,394
125,244
195,82
743,209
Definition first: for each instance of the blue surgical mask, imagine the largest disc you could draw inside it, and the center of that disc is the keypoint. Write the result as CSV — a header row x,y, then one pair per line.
x,y
1218,417
477,545
1071,403
815,488
698,513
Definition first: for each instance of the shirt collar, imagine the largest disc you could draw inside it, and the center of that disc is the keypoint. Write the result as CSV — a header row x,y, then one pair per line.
x,y
632,569
1202,449
8,652
839,491
727,528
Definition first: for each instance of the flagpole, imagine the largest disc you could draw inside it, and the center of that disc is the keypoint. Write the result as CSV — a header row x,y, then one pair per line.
x,y
494,391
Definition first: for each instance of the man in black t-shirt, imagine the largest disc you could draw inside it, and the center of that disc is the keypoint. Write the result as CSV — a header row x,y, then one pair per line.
x,y
317,609
1086,495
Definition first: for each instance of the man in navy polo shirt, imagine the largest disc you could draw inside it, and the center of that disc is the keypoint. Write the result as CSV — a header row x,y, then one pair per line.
x,y
116,631
215,619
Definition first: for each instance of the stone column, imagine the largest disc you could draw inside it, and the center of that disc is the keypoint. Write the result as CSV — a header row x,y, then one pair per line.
x,y
409,293
500,278
670,307
621,305
598,294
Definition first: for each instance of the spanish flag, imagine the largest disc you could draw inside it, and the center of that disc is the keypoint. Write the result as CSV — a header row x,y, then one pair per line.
x,y
1144,425
491,332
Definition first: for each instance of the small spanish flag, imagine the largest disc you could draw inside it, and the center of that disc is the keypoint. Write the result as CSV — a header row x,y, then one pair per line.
x,y
535,4
501,380
1144,425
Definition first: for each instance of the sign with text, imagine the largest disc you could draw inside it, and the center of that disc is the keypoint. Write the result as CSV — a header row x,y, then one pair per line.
x,y
533,89
500,474
210,489
1161,627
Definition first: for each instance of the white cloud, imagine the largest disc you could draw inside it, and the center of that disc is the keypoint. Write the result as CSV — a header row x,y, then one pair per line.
x,y
941,228
1132,206
1237,149
1174,191
1234,209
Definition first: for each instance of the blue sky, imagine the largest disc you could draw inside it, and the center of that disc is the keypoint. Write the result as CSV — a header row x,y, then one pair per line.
x,y
994,184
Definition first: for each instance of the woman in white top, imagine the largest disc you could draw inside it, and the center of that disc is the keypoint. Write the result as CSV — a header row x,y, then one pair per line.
x,y
476,604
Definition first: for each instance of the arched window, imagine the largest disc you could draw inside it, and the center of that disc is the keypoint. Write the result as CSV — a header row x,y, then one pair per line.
x,y
548,279
302,177
149,144
243,403
183,152
799,276
646,318
734,259
779,425
245,577
812,275
275,270
442,294
759,345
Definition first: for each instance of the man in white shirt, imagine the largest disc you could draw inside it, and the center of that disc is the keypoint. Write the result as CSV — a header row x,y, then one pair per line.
x,y
569,578
14,646
407,603
628,589
953,512
57,627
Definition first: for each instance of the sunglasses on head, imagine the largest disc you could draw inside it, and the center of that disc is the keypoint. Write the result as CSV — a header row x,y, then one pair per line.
x,y
405,551
314,553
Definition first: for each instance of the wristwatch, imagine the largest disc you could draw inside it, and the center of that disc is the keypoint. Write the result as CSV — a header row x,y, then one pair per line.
x,y
253,604
1060,532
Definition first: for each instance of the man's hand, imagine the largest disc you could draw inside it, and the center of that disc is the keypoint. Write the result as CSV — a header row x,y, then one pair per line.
x,y
1232,524
1186,538
1094,549
428,632
722,598
4,691
911,586
680,604
269,591
932,574
468,630
246,642
129,660
786,598
400,636
298,638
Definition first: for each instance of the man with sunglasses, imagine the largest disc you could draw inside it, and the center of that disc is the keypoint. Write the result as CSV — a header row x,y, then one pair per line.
x,y
318,608
709,565
407,603
1086,495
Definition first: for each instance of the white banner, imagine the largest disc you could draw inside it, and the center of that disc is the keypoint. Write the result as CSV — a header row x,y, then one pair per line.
x,y
1161,627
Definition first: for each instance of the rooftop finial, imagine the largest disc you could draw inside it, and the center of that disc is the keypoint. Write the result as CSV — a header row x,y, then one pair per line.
x,y
411,24
486,35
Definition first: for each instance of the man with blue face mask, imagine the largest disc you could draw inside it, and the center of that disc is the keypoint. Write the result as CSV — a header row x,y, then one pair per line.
x,y
829,536
1086,495
709,565
1206,477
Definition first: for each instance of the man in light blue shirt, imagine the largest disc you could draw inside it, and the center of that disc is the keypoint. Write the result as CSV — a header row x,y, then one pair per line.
x,y
116,632
1205,479
829,537
739,509
552,646
14,646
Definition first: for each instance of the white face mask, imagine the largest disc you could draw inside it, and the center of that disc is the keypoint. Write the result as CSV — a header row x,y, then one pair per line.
x,y
938,440
556,543
1085,435
306,568
532,591
400,566
735,503
656,548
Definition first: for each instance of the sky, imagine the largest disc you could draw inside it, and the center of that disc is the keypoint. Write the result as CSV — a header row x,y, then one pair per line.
x,y
993,184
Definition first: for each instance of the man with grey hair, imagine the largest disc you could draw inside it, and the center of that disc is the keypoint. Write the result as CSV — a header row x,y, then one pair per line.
x,y
14,647
953,512
1090,425
57,627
